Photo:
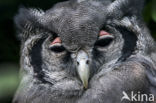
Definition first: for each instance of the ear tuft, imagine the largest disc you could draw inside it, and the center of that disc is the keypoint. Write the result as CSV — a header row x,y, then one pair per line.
x,y
26,20
119,8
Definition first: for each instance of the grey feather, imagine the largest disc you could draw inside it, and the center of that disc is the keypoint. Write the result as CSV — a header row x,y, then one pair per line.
x,y
124,61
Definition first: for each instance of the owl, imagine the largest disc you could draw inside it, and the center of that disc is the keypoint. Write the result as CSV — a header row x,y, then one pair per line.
x,y
86,51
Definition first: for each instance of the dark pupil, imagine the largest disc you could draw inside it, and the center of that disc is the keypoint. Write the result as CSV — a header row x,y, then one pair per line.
x,y
104,42
57,49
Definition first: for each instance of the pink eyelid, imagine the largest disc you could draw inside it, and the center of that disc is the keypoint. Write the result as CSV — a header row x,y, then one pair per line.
x,y
56,40
102,32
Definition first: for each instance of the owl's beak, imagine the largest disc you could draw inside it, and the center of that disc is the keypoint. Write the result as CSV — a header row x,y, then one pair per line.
x,y
83,67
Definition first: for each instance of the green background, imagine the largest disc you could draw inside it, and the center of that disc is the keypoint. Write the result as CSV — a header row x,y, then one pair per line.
x,y
9,44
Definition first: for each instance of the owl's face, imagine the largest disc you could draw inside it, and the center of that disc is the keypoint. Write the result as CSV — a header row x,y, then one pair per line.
x,y
76,39
82,62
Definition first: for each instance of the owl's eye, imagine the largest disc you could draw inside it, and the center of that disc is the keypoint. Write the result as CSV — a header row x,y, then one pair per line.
x,y
56,46
104,40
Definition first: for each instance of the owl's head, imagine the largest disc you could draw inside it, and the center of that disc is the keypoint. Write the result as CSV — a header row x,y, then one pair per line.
x,y
77,38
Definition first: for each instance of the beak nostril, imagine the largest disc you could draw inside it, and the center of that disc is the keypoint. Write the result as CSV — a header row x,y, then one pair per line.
x,y
87,62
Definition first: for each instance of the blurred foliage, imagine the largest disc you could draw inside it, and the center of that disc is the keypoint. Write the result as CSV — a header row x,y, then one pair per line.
x,y
10,45
149,14
8,81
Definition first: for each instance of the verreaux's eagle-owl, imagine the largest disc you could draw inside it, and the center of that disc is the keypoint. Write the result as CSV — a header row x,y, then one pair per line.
x,y
85,51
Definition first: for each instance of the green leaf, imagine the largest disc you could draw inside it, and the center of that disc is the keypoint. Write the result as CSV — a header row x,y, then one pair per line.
x,y
147,12
154,10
